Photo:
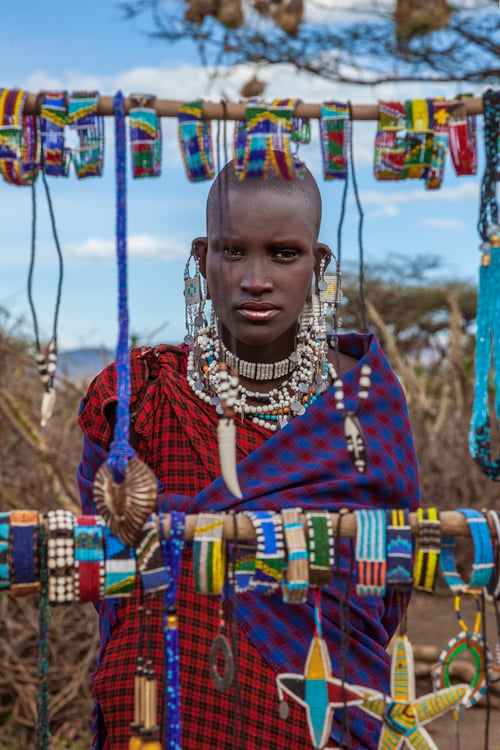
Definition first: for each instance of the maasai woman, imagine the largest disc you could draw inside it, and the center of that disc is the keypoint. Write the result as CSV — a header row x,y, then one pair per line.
x,y
262,263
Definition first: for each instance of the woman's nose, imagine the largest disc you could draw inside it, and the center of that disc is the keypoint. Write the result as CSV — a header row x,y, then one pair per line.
x,y
255,278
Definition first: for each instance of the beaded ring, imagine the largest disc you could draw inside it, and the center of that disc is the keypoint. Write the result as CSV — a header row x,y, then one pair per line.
x,y
195,140
428,548
83,117
120,567
89,559
482,566
270,556
320,547
399,551
335,132
4,550
60,556
56,157
145,137
209,554
296,573
370,552
24,552
19,147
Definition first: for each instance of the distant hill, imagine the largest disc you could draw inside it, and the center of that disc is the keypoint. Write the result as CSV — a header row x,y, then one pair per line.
x,y
83,363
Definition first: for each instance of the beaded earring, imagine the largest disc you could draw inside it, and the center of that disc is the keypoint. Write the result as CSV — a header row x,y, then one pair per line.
x,y
195,295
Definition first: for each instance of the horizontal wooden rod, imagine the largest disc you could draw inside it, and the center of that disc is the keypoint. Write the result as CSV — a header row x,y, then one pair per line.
x,y
236,110
453,524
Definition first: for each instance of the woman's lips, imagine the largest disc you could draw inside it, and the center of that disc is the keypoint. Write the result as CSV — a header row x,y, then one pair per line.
x,y
258,313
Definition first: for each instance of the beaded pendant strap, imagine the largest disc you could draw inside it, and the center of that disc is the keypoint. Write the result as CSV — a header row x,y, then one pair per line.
x,y
296,572
270,556
56,157
83,117
24,552
389,158
419,139
19,146
4,551
209,554
370,552
89,559
145,137
195,140
399,552
482,566
428,548
320,547
440,117
60,556
335,132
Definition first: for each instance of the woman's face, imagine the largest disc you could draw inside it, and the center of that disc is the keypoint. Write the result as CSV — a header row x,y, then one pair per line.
x,y
259,272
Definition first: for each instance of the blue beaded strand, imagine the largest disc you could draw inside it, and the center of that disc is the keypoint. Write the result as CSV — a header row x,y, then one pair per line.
x,y
42,732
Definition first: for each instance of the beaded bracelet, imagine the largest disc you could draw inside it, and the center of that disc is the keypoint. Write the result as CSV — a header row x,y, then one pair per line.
x,y
390,147
320,547
83,117
209,554
4,550
24,552
270,556
89,559
335,133
149,557
296,572
399,551
419,139
56,157
428,548
300,132
370,552
440,118
19,151
482,566
463,143
195,140
60,556
494,587
119,567
145,137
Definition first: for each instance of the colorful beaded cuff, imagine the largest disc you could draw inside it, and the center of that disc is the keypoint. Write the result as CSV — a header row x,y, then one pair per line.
x,y
209,553
494,587
370,552
4,550
83,117
24,552
19,150
89,559
120,567
419,138
270,556
60,556
296,572
399,551
482,566
440,116
320,548
390,149
56,157
335,132
195,139
428,548
145,137
463,141
149,558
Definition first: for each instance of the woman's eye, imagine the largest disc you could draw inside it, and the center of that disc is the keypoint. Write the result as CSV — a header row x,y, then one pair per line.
x,y
287,253
233,252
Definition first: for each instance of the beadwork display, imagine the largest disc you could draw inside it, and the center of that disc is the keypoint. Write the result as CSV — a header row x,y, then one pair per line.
x,y
89,126
145,137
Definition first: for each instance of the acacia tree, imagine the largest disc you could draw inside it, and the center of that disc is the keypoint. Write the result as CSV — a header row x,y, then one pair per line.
x,y
364,42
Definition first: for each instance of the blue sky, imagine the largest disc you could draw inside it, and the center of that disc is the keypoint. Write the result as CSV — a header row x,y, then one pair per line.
x,y
88,45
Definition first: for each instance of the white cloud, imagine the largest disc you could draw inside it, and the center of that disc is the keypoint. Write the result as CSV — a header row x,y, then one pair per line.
x,y
138,246
442,223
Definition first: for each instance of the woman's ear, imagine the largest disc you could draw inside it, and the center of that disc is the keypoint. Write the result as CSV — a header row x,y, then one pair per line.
x,y
323,258
199,250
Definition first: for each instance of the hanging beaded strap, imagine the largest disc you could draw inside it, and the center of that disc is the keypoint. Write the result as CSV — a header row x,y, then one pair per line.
x,y
270,556
145,137
195,140
494,587
172,556
389,158
399,552
4,551
42,730
320,548
440,118
83,117
370,552
209,554
428,548
89,559
56,157
463,141
335,132
60,556
149,558
482,566
125,489
24,552
419,139
119,567
19,147
296,572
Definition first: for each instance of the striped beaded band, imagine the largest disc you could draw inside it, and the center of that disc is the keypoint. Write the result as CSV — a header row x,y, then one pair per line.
x,y
268,133
296,572
145,137
390,148
419,138
270,557
120,567
24,552
399,552
482,566
83,117
370,552
149,556
4,550
320,547
19,152
209,553
334,129
428,548
60,556
435,173
55,156
89,559
195,139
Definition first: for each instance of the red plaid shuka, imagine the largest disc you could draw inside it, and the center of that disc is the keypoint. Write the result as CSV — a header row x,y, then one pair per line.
x,y
178,440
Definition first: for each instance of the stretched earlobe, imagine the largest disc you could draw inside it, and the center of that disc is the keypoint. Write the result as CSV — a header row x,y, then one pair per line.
x,y
323,258
199,250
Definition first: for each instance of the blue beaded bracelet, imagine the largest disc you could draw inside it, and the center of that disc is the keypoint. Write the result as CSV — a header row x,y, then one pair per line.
x,y
482,567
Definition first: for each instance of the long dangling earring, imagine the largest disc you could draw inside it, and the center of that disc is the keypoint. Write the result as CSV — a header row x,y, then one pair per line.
x,y
330,293
195,294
